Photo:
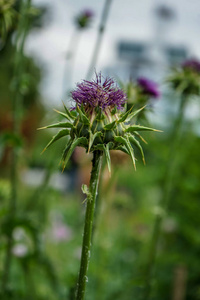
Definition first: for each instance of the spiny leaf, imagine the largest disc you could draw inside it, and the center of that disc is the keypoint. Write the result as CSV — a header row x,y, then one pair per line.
x,y
65,151
68,112
110,126
107,154
83,117
56,137
124,116
63,114
92,138
134,113
123,149
114,111
127,144
130,149
137,144
60,124
75,142
137,134
140,128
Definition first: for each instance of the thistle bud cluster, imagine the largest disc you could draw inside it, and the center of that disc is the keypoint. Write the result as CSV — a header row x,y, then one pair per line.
x,y
99,121
141,93
83,20
185,79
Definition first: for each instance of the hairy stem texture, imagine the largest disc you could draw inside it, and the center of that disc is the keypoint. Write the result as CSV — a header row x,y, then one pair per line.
x,y
86,245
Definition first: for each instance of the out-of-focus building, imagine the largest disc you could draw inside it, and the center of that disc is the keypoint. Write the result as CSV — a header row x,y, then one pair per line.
x,y
136,59
150,58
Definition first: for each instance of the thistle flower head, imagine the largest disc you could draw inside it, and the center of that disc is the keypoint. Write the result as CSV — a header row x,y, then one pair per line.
x,y
84,18
88,13
98,94
149,87
140,93
185,78
98,121
192,64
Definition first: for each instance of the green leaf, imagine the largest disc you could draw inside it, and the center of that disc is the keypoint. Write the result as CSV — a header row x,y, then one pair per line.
x,y
134,113
83,117
92,138
123,149
138,135
63,114
60,124
75,142
124,116
68,112
110,126
114,111
128,146
66,151
107,154
140,128
56,137
137,144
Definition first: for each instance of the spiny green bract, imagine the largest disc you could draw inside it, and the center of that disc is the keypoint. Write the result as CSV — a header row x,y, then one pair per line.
x,y
103,130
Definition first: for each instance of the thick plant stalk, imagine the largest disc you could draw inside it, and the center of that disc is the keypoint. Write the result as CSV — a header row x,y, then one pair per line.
x,y
165,201
17,103
86,245
99,39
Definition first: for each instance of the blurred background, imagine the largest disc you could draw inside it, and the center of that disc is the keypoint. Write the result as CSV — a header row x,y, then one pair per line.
x,y
46,47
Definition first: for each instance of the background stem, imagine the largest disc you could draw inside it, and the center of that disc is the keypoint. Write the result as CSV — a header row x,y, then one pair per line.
x,y
99,39
17,104
167,188
86,245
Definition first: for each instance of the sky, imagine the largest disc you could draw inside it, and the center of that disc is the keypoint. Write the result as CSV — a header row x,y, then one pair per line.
x,y
129,20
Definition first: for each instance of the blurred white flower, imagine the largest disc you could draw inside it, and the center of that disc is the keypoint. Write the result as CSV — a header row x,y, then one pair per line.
x,y
19,234
20,250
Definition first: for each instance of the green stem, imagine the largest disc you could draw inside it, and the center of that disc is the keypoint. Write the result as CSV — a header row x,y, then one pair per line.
x,y
99,38
165,201
17,100
87,236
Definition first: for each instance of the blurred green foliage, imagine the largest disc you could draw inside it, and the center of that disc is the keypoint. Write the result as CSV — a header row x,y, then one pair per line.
x,y
47,229
124,222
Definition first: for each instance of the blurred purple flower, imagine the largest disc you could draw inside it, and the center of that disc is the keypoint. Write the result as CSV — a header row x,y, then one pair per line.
x,y
149,87
88,13
61,232
192,64
92,94
84,18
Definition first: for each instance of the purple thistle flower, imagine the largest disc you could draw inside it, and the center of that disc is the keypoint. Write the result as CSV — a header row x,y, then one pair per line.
x,y
105,95
84,18
192,64
88,13
149,87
